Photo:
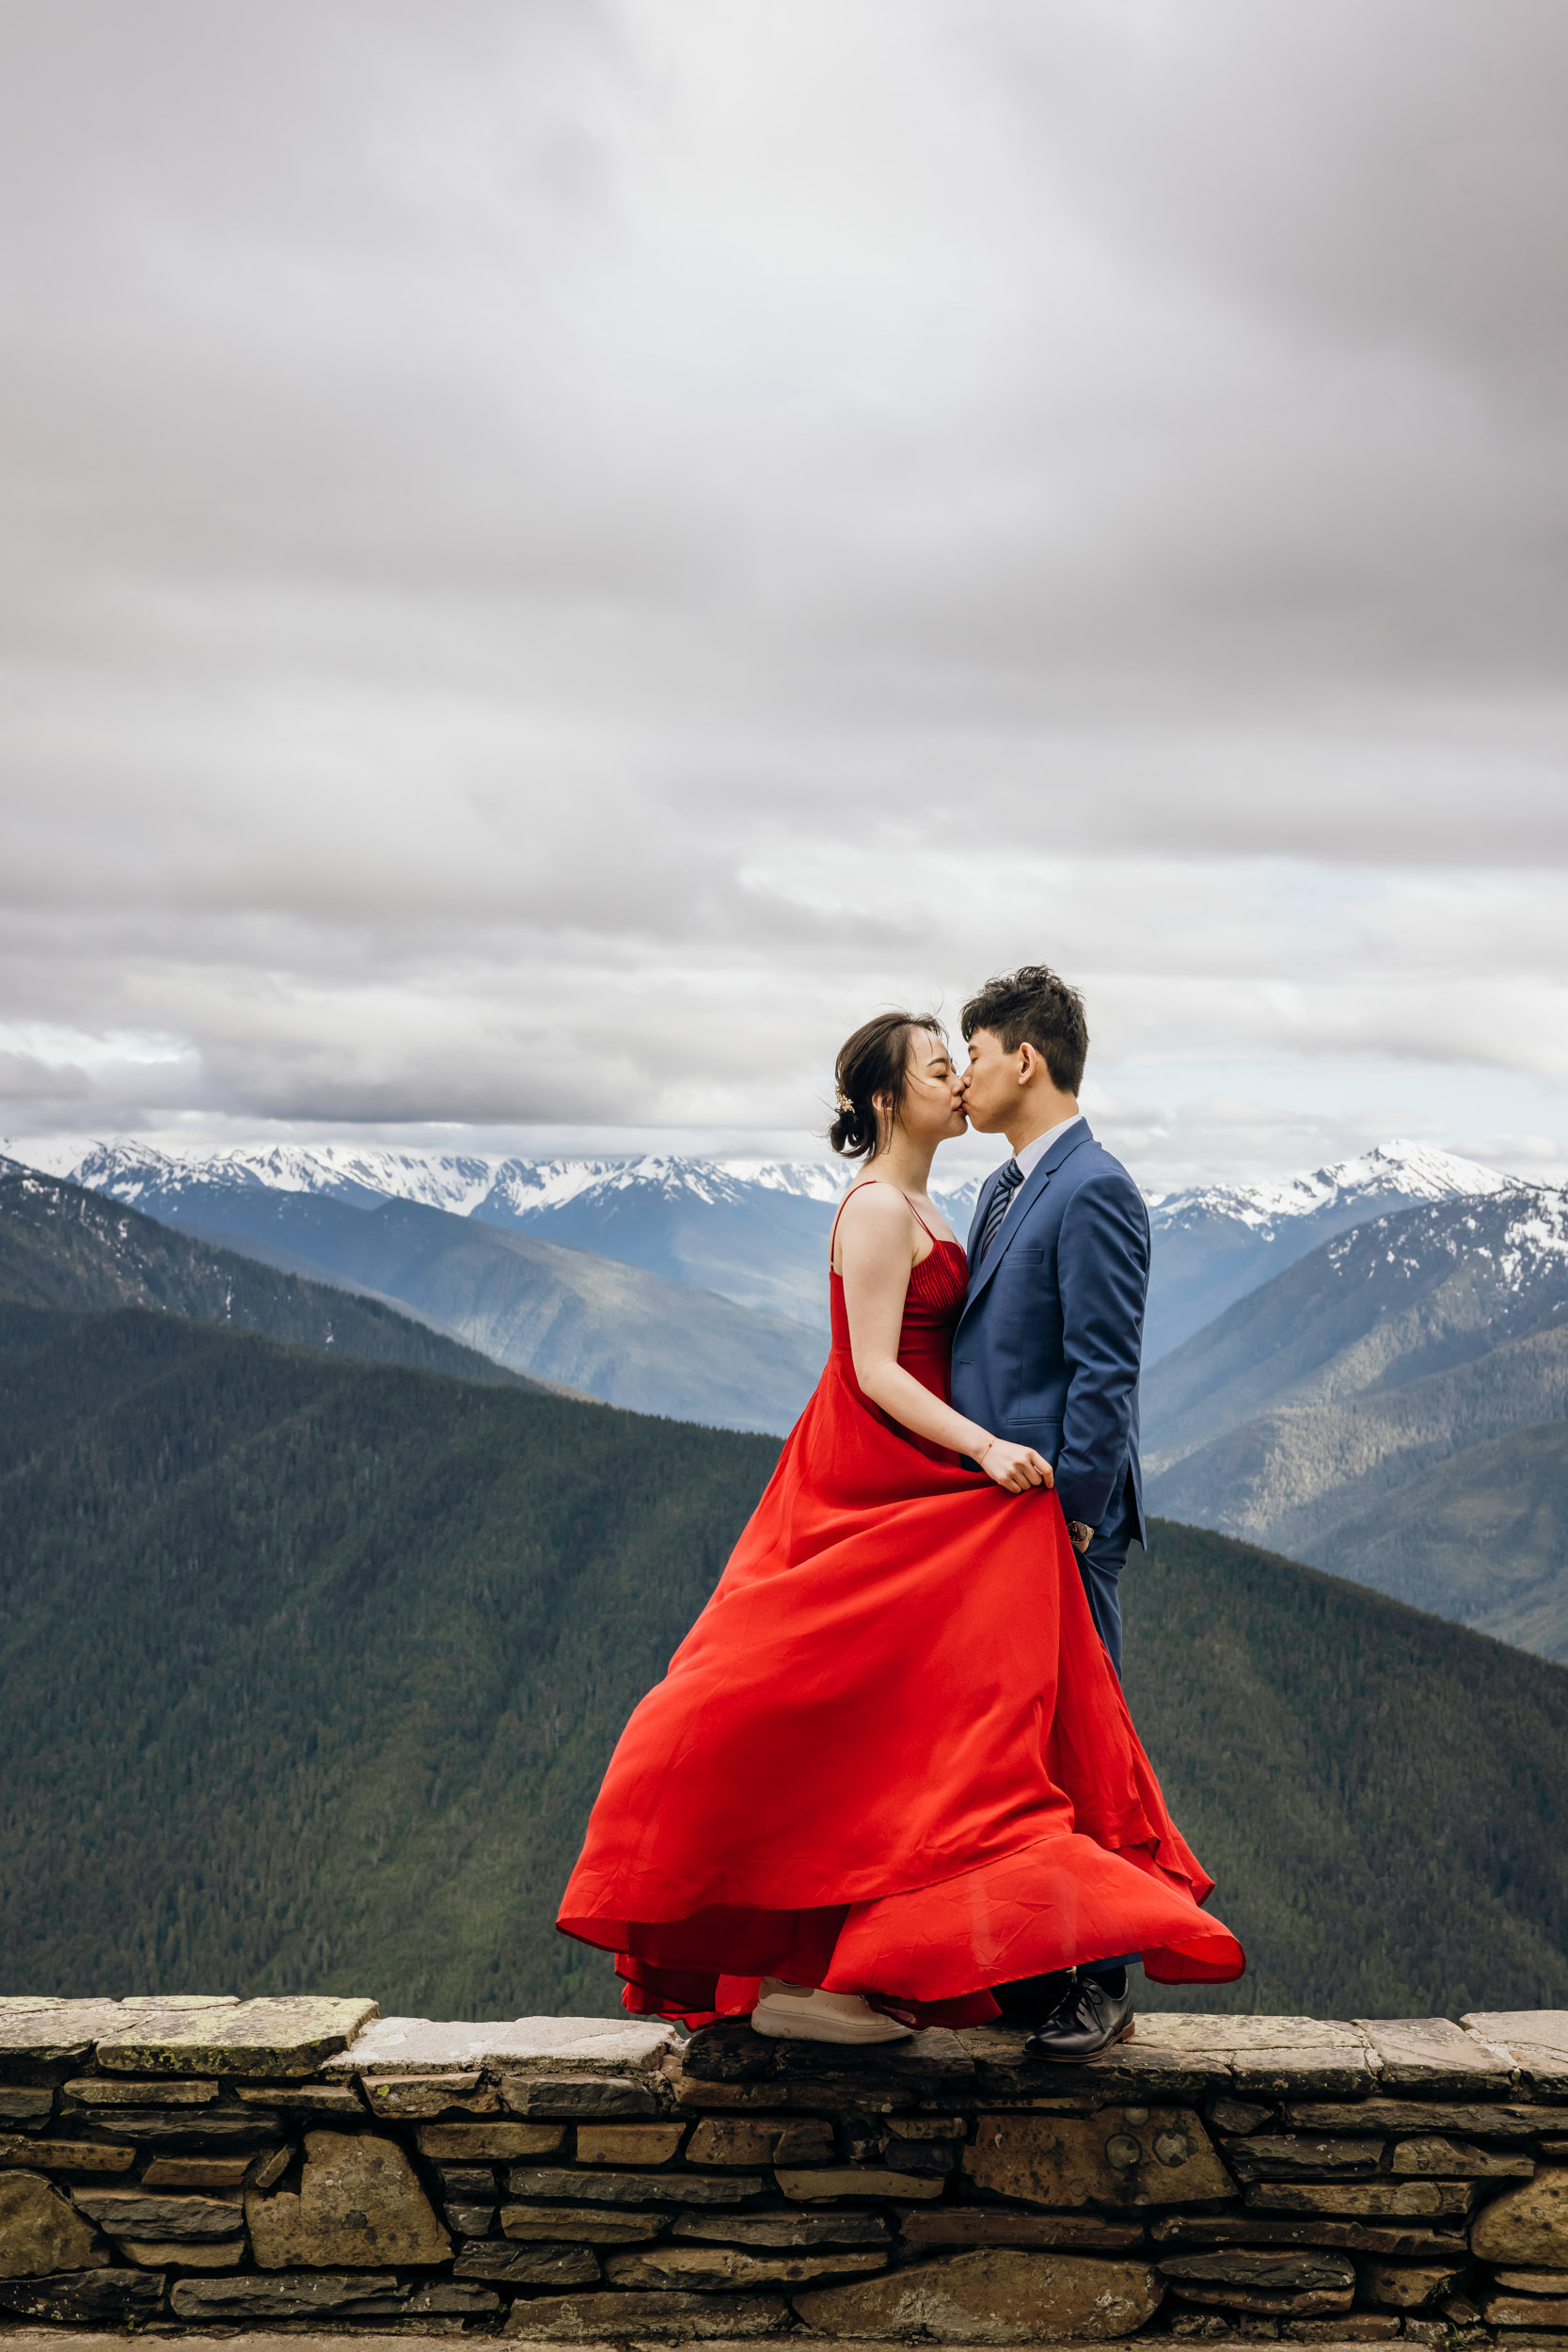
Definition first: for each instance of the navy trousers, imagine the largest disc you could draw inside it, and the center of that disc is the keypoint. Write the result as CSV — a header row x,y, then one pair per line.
x,y
1100,1568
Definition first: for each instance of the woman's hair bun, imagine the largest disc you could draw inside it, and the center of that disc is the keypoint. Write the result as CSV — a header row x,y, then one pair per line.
x,y
874,1061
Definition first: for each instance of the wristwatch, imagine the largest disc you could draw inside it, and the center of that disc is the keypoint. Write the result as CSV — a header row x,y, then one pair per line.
x,y
1081,1536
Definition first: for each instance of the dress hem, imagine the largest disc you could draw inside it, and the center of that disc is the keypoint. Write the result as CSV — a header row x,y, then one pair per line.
x,y
932,1954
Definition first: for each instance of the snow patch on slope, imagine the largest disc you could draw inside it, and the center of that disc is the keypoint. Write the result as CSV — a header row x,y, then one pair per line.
x,y
1523,1237
1414,1171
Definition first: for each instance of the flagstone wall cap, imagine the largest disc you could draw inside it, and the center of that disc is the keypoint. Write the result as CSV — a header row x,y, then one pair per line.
x,y
1183,2030
1433,2054
1181,2054
1535,2040
22,2004
179,2000
56,2029
284,2037
521,2045
1521,2028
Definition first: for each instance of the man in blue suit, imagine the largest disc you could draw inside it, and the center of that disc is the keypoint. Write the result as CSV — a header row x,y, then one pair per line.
x,y
1047,1351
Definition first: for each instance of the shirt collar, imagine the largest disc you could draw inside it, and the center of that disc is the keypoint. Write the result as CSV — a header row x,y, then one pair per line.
x,y
1031,1154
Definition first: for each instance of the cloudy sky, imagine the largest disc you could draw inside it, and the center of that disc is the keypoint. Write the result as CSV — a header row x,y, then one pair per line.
x,y
558,553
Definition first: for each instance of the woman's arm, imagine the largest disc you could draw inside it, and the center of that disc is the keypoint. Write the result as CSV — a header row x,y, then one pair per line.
x,y
875,1251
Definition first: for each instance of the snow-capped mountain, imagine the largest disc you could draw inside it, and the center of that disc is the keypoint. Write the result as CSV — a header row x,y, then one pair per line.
x,y
747,1236
461,1183
1432,1287
361,1176
1414,1171
813,1179
1214,1243
755,1230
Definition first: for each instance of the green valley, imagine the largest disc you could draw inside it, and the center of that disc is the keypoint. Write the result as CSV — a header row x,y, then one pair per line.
x,y
311,1667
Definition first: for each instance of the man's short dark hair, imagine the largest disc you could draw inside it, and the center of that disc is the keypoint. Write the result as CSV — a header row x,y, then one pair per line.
x,y
1035,1006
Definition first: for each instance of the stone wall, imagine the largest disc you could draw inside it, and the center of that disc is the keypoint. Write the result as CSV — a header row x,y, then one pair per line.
x,y
207,2162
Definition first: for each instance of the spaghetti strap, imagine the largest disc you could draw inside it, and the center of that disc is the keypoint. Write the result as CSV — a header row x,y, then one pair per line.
x,y
920,1221
907,1203
843,1204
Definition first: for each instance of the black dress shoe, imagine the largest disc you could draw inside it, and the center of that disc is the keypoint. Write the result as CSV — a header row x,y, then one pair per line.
x,y
1091,2018
1032,2000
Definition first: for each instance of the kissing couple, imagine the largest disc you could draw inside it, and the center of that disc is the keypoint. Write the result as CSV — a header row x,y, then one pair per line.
x,y
890,1780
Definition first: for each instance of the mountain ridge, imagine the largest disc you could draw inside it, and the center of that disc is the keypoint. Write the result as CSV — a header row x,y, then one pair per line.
x,y
313,1663
63,1246
755,1230
758,1239
1215,1243
596,1324
1316,1413
1370,1305
1419,1170
1490,1546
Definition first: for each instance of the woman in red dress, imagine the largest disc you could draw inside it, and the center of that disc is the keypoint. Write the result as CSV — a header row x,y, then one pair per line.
x,y
891,1765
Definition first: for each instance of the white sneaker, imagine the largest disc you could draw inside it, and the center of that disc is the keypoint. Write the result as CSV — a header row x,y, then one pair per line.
x,y
802,2012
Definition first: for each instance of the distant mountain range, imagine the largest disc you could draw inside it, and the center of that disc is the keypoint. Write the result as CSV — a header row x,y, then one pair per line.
x,y
756,1233
591,1324
697,1287
1391,1408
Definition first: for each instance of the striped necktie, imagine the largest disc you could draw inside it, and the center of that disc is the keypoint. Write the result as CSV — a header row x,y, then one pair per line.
x,y
1006,1184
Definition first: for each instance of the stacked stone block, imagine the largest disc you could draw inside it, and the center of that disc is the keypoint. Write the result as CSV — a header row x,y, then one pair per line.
x,y
203,2162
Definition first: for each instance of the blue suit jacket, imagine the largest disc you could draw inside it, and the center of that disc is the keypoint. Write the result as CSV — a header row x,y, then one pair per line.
x,y
1048,1346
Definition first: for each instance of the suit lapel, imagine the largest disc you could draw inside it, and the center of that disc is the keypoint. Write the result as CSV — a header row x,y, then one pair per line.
x,y
1028,1193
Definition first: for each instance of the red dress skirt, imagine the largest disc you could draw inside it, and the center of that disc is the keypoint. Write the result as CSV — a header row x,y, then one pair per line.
x,y
891,1756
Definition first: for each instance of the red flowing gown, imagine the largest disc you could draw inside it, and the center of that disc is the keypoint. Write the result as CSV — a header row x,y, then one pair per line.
x,y
891,1756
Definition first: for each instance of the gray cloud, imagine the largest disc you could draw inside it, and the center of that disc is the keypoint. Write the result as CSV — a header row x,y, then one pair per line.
x,y
553,554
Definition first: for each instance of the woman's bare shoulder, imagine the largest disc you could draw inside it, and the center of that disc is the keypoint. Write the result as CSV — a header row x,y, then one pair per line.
x,y
875,1223
874,1200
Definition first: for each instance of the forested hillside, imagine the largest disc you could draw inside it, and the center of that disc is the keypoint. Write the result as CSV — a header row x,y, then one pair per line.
x,y
1380,1794
311,1669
